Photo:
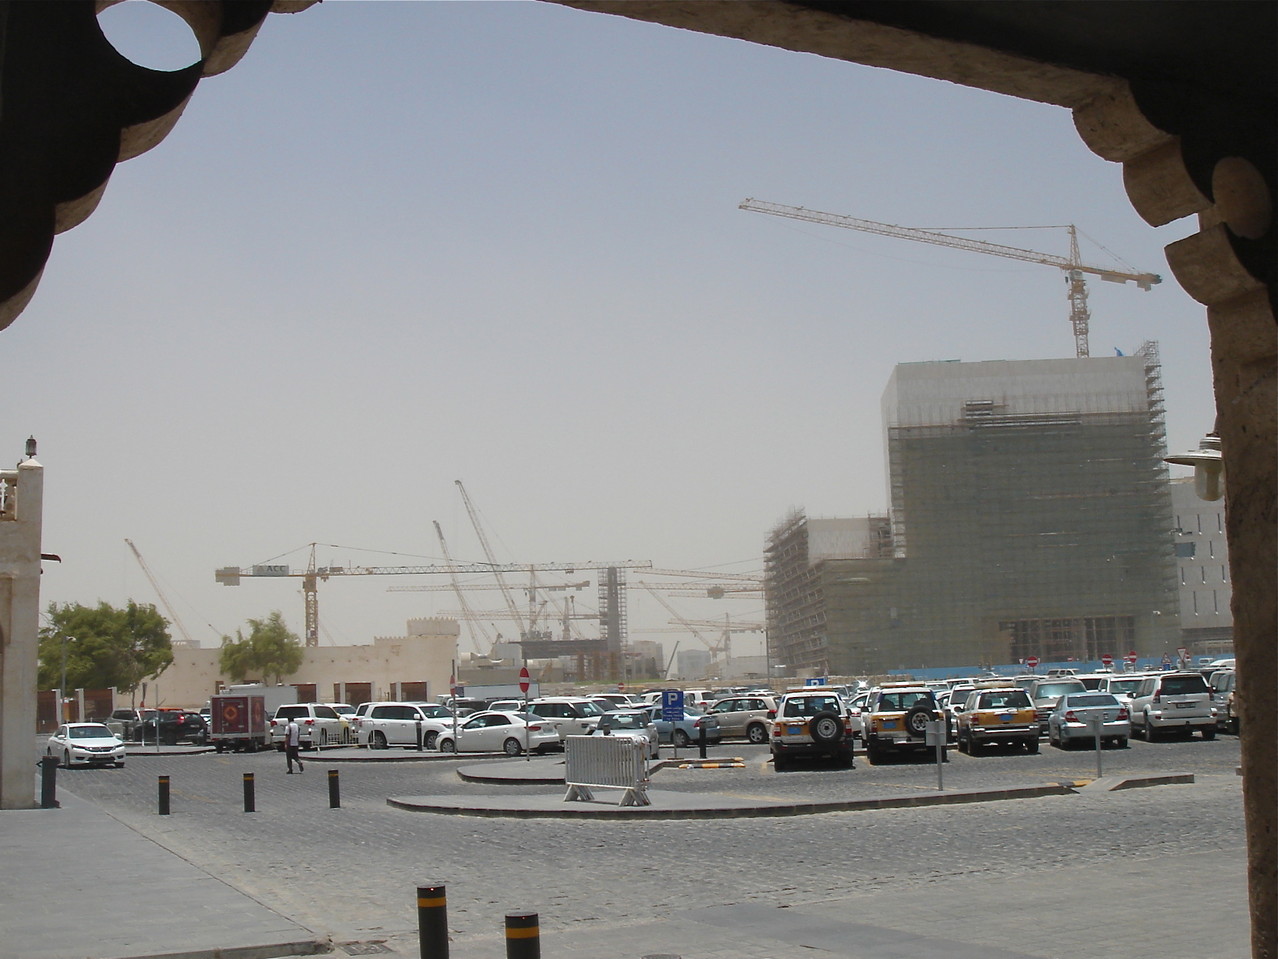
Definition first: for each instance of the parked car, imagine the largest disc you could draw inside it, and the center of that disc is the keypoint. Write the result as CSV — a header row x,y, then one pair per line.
x,y
347,714
86,744
570,715
1000,714
896,719
811,723
1122,685
396,724
497,732
632,724
744,717
319,725
1075,714
1175,702
1047,692
174,726
687,731
1221,683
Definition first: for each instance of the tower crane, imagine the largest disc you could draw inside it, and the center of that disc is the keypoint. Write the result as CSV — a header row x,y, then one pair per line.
x,y
488,555
715,648
314,574
468,615
160,593
1074,268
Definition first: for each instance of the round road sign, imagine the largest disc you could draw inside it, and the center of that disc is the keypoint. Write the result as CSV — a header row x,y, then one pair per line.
x,y
1031,662
1107,659
523,679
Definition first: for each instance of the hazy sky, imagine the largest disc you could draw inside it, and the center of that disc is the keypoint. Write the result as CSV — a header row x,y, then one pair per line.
x,y
402,244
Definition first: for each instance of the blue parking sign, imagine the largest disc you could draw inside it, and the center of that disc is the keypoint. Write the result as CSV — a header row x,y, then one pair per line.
x,y
672,705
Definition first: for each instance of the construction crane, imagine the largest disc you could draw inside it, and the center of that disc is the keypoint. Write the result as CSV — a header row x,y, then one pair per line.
x,y
715,648
1074,268
314,574
168,608
468,616
488,555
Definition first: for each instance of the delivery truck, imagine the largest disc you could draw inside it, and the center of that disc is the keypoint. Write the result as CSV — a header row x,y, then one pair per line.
x,y
240,716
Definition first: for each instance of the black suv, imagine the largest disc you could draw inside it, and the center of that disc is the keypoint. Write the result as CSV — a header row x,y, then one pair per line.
x,y
175,726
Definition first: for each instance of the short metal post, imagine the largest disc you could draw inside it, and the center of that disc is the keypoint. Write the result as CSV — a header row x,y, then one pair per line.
x,y
701,739
418,724
334,790
164,795
1097,723
432,922
250,798
523,936
49,782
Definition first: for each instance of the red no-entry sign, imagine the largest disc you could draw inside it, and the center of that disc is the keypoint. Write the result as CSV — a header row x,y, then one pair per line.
x,y
523,679
1031,662
1107,659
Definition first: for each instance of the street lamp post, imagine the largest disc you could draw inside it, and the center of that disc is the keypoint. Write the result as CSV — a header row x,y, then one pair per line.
x,y
62,689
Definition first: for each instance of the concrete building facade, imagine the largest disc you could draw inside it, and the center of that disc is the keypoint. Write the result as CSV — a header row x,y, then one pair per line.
x,y
1030,516
1202,567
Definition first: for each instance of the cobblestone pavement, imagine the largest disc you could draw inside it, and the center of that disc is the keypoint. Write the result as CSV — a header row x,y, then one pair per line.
x,y
630,889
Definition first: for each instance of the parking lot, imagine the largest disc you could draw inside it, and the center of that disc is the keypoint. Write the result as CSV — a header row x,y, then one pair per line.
x,y
963,875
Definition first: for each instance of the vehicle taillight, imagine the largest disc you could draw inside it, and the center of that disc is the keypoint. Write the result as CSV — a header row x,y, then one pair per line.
x,y
1124,714
310,722
1070,717
273,722
1158,695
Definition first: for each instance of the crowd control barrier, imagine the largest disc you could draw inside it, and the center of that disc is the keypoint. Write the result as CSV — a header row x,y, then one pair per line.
x,y
606,762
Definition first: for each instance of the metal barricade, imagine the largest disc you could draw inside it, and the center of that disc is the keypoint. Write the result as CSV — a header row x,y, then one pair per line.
x,y
606,762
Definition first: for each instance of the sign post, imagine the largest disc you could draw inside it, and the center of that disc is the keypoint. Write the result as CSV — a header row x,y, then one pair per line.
x,y
672,712
523,688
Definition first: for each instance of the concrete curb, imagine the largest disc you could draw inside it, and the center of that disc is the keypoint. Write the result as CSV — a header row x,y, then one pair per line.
x,y
1113,784
668,805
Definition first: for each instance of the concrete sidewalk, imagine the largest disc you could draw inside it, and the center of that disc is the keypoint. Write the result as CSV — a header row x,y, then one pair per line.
x,y
78,884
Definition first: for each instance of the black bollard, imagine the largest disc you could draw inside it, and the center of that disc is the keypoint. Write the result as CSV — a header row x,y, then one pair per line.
x,y
432,922
250,798
418,724
523,936
164,795
334,791
701,739
49,783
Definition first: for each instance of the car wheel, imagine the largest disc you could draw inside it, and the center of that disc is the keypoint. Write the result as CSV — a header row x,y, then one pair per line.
x,y
826,728
119,764
962,744
512,747
916,720
874,753
681,738
431,740
447,746
1120,742
757,734
66,758
1031,745
377,740
779,762
1209,732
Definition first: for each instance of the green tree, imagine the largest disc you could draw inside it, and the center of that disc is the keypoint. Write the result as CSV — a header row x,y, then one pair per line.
x,y
104,646
269,653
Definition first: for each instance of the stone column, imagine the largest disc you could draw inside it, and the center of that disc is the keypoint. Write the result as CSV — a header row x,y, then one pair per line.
x,y
21,509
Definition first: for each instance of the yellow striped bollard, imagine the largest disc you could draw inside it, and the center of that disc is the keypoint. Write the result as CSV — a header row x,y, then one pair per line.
x,y
432,922
523,936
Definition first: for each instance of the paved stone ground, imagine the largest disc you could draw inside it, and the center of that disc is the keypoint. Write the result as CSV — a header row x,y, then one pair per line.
x,y
1095,873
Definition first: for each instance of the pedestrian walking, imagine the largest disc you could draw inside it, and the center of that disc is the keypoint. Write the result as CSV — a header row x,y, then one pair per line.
x,y
293,745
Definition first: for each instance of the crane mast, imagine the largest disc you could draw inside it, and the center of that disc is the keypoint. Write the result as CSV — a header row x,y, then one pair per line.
x,y
1075,269
476,627
160,593
488,555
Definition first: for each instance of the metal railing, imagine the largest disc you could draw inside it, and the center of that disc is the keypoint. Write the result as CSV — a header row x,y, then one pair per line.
x,y
606,762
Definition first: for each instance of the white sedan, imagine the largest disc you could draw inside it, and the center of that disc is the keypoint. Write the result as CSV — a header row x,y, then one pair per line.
x,y
90,744
499,732
631,723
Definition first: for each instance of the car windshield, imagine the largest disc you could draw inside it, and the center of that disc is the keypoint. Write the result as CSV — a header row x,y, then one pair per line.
x,y
624,721
810,705
1184,685
1005,699
1079,700
90,732
592,708
907,699
1043,690
1124,685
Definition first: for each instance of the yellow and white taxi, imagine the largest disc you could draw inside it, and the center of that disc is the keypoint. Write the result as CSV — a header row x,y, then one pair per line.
x,y
997,714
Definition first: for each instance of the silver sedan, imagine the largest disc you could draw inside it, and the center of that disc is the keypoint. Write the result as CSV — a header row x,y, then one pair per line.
x,y
1076,714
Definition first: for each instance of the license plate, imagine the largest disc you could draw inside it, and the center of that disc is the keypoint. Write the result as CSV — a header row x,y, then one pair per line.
x,y
794,730
1182,705
889,724
1005,717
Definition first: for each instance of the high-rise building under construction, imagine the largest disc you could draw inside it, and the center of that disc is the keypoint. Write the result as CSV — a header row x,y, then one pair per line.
x,y
1030,516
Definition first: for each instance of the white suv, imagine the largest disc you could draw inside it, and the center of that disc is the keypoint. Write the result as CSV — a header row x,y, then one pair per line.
x,y
318,723
812,722
1173,703
570,715
395,724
